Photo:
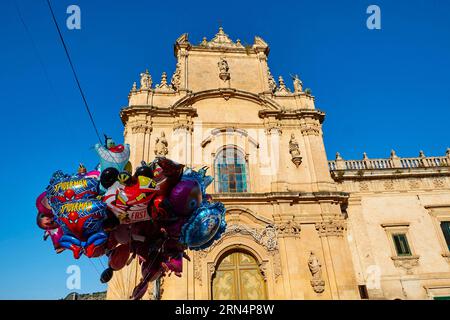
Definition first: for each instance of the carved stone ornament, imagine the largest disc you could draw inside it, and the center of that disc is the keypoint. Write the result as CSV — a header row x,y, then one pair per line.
x,y
406,262
161,146
294,150
146,80
272,83
310,129
176,78
282,89
221,40
224,73
163,86
266,237
141,128
288,229
134,87
331,228
315,268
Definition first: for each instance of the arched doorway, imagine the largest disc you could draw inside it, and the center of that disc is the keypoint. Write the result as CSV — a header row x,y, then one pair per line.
x,y
238,277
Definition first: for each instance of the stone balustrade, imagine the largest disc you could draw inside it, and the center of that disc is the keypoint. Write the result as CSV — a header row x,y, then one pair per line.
x,y
393,162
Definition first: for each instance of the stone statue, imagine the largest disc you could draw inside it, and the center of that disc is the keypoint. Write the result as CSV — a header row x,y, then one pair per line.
x,y
298,84
223,65
161,146
294,147
224,73
315,267
146,80
294,150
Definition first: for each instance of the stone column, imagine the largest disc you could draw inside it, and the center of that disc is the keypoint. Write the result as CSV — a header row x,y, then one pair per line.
x,y
182,140
273,134
337,256
315,149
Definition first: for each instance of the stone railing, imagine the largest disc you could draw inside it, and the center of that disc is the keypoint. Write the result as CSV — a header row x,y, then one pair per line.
x,y
393,162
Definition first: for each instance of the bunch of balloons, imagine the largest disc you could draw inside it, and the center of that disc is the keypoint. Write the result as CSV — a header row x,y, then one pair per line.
x,y
154,214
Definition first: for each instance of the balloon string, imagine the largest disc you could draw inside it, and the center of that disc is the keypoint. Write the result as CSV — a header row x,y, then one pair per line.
x,y
73,71
94,267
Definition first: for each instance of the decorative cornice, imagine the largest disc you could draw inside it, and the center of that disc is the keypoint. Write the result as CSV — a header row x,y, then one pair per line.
x,y
154,111
293,114
295,197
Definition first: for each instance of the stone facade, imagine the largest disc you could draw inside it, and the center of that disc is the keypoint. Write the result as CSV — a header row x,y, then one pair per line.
x,y
312,227
397,195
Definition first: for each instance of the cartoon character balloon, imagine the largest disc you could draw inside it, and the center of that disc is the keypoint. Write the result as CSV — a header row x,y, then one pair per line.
x,y
112,155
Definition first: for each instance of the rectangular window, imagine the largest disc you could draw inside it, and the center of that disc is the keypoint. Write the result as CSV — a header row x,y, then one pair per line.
x,y
445,226
401,244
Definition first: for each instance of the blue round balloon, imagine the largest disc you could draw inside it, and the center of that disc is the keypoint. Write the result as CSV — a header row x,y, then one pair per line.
x,y
204,227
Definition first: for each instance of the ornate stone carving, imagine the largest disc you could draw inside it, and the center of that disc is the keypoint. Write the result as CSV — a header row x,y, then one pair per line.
x,y
310,130
298,84
288,229
224,73
266,237
272,83
161,146
363,186
163,86
414,184
294,150
389,185
146,80
331,228
438,182
221,40
141,128
181,124
176,77
315,267
134,88
282,89
406,262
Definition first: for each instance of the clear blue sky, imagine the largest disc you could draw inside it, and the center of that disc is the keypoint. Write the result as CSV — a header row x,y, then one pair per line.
x,y
380,89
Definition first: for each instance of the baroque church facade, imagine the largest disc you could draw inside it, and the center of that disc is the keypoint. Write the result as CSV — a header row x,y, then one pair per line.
x,y
299,226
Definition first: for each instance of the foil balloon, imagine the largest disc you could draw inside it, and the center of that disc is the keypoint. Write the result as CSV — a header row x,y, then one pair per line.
x,y
199,176
204,226
42,205
63,188
81,222
185,197
129,202
112,155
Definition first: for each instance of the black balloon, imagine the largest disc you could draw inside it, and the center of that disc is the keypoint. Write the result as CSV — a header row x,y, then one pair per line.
x,y
106,275
108,177
145,170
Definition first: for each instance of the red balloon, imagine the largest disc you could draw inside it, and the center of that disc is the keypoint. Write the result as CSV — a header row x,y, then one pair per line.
x,y
119,257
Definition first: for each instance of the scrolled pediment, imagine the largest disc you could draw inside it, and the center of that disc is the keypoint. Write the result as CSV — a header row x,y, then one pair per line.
x,y
227,93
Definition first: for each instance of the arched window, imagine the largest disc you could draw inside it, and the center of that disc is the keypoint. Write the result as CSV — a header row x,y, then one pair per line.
x,y
230,171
